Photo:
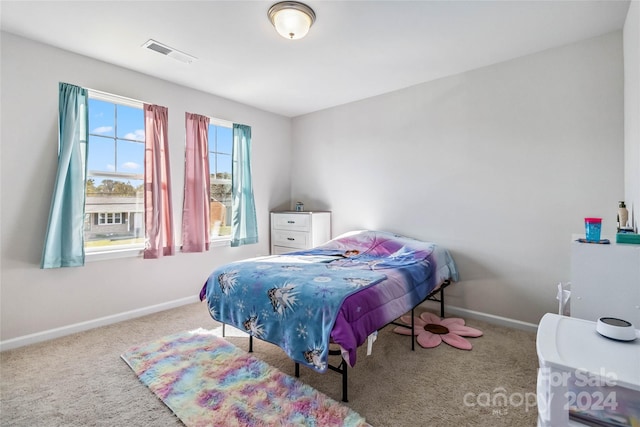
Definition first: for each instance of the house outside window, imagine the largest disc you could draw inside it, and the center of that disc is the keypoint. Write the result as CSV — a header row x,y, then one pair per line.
x,y
220,150
114,206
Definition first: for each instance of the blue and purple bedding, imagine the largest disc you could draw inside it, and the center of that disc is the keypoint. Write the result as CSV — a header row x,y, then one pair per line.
x,y
338,292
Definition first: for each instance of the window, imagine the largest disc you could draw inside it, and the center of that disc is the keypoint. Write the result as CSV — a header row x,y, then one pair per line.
x,y
220,149
114,206
109,218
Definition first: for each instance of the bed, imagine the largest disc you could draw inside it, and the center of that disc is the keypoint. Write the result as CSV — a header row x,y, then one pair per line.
x,y
334,295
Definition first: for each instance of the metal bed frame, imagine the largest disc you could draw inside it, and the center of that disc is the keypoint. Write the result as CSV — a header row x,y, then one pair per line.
x,y
342,367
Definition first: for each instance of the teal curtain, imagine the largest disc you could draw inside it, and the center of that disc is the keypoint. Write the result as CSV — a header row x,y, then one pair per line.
x,y
64,241
244,223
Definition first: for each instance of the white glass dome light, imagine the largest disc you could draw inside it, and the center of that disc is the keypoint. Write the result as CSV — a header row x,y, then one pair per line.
x,y
291,19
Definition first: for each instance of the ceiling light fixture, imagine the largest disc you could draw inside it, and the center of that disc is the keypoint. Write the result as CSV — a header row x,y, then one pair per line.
x,y
292,19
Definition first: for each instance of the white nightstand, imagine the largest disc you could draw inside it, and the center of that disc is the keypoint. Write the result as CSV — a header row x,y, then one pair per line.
x,y
294,231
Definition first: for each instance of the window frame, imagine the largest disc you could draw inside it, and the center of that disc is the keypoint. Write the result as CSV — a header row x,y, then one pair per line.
x,y
220,240
130,251
114,251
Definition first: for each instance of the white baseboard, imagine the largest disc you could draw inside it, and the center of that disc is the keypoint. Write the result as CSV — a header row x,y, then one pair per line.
x,y
485,317
91,324
108,320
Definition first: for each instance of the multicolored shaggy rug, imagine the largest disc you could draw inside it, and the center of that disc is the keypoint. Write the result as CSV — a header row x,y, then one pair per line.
x,y
207,381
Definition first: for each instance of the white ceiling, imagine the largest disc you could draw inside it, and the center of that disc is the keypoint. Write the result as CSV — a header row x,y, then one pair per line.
x,y
356,49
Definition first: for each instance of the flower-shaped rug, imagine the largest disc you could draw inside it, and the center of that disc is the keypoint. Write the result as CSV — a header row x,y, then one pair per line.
x,y
431,330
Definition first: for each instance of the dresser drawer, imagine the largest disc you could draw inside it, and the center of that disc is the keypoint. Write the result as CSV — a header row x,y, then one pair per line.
x,y
279,250
292,231
293,222
291,239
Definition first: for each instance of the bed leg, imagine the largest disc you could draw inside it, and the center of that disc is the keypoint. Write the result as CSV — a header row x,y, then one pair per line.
x,y
297,370
223,325
250,343
442,303
344,381
413,335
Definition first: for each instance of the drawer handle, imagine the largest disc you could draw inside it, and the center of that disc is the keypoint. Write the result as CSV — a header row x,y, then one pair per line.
x,y
291,222
290,238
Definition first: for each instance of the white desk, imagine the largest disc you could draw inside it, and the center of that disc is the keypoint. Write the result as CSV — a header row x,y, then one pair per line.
x,y
585,374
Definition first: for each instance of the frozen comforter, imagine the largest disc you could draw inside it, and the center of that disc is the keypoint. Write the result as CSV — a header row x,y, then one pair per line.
x,y
341,291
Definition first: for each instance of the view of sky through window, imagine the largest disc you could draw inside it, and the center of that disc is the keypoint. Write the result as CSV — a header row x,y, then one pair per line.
x,y
220,142
106,121
114,210
115,175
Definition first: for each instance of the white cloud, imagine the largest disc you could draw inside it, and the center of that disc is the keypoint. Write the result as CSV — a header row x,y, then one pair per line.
x,y
137,135
131,166
102,129
111,168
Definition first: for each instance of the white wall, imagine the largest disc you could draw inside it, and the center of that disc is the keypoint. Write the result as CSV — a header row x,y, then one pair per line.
x,y
499,164
631,36
35,300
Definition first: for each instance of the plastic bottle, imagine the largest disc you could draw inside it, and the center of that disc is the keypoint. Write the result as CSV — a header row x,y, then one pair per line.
x,y
623,215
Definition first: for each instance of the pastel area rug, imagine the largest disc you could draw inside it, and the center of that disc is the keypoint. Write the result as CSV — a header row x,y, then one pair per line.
x,y
207,381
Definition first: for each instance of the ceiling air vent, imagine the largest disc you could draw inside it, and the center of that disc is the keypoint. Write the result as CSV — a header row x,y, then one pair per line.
x,y
169,51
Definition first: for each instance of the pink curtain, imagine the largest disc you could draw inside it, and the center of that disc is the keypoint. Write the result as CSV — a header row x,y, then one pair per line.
x,y
195,211
157,184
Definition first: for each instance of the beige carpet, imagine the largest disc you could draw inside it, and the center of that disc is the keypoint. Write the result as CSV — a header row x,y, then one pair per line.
x,y
80,380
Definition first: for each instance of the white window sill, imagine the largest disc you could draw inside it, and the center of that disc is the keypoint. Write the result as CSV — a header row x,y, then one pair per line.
x,y
222,241
102,255
113,254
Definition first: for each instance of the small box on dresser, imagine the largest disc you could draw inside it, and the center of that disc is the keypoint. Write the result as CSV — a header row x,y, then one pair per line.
x,y
294,231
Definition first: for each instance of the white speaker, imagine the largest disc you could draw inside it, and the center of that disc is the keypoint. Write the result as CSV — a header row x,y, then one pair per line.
x,y
616,329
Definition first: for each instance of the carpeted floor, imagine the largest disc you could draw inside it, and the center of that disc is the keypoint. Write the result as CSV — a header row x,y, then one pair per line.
x,y
80,380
